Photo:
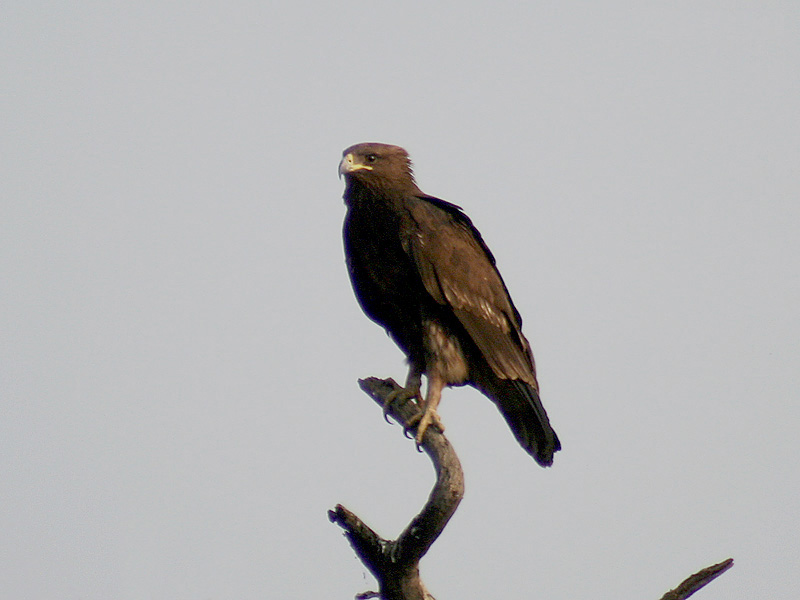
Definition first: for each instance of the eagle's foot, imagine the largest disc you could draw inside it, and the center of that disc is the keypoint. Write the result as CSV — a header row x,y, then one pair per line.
x,y
401,394
423,421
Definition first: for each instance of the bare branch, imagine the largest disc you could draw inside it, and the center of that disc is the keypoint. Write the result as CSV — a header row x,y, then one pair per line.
x,y
700,579
446,494
367,544
395,564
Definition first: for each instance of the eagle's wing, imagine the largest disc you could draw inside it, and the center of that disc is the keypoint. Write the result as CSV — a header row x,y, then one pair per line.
x,y
457,269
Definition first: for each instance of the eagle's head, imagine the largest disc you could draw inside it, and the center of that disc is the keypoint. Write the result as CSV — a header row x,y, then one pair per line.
x,y
378,167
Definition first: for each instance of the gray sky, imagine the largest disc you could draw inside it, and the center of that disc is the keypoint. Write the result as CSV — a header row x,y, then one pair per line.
x,y
180,344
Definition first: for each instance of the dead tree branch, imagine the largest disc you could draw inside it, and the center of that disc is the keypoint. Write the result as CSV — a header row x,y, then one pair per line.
x,y
395,563
700,579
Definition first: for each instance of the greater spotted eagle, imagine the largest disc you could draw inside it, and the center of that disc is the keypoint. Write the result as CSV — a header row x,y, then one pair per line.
x,y
421,270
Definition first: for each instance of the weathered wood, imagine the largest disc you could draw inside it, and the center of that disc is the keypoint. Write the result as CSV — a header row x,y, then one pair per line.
x,y
700,579
395,563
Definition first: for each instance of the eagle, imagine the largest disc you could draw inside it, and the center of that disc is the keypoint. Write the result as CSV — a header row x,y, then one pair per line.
x,y
421,269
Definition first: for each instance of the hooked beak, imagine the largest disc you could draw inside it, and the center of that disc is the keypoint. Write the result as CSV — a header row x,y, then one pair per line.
x,y
349,165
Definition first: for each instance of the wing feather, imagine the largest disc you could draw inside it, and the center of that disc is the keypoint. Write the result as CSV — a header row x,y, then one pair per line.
x,y
457,270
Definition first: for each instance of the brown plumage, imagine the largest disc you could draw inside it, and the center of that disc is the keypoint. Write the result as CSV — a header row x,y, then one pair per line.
x,y
421,270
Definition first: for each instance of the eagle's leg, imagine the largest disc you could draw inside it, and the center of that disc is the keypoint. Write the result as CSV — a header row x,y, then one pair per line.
x,y
430,416
411,390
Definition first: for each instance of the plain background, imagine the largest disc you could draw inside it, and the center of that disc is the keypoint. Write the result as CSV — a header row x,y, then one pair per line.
x,y
180,344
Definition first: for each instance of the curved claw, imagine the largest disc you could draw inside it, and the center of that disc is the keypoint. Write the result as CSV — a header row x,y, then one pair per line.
x,y
406,393
431,417
411,423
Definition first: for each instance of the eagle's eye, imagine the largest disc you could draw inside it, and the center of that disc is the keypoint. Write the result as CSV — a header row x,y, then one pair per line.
x,y
371,158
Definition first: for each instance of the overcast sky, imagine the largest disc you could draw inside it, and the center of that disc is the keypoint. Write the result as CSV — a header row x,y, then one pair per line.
x,y
179,343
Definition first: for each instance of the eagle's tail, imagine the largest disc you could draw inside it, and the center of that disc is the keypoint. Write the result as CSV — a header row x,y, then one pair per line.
x,y
523,410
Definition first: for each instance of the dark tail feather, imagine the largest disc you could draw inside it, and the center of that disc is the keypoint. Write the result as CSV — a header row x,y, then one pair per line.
x,y
523,410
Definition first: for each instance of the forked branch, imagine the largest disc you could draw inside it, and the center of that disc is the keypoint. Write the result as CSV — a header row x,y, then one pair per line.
x,y
395,563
